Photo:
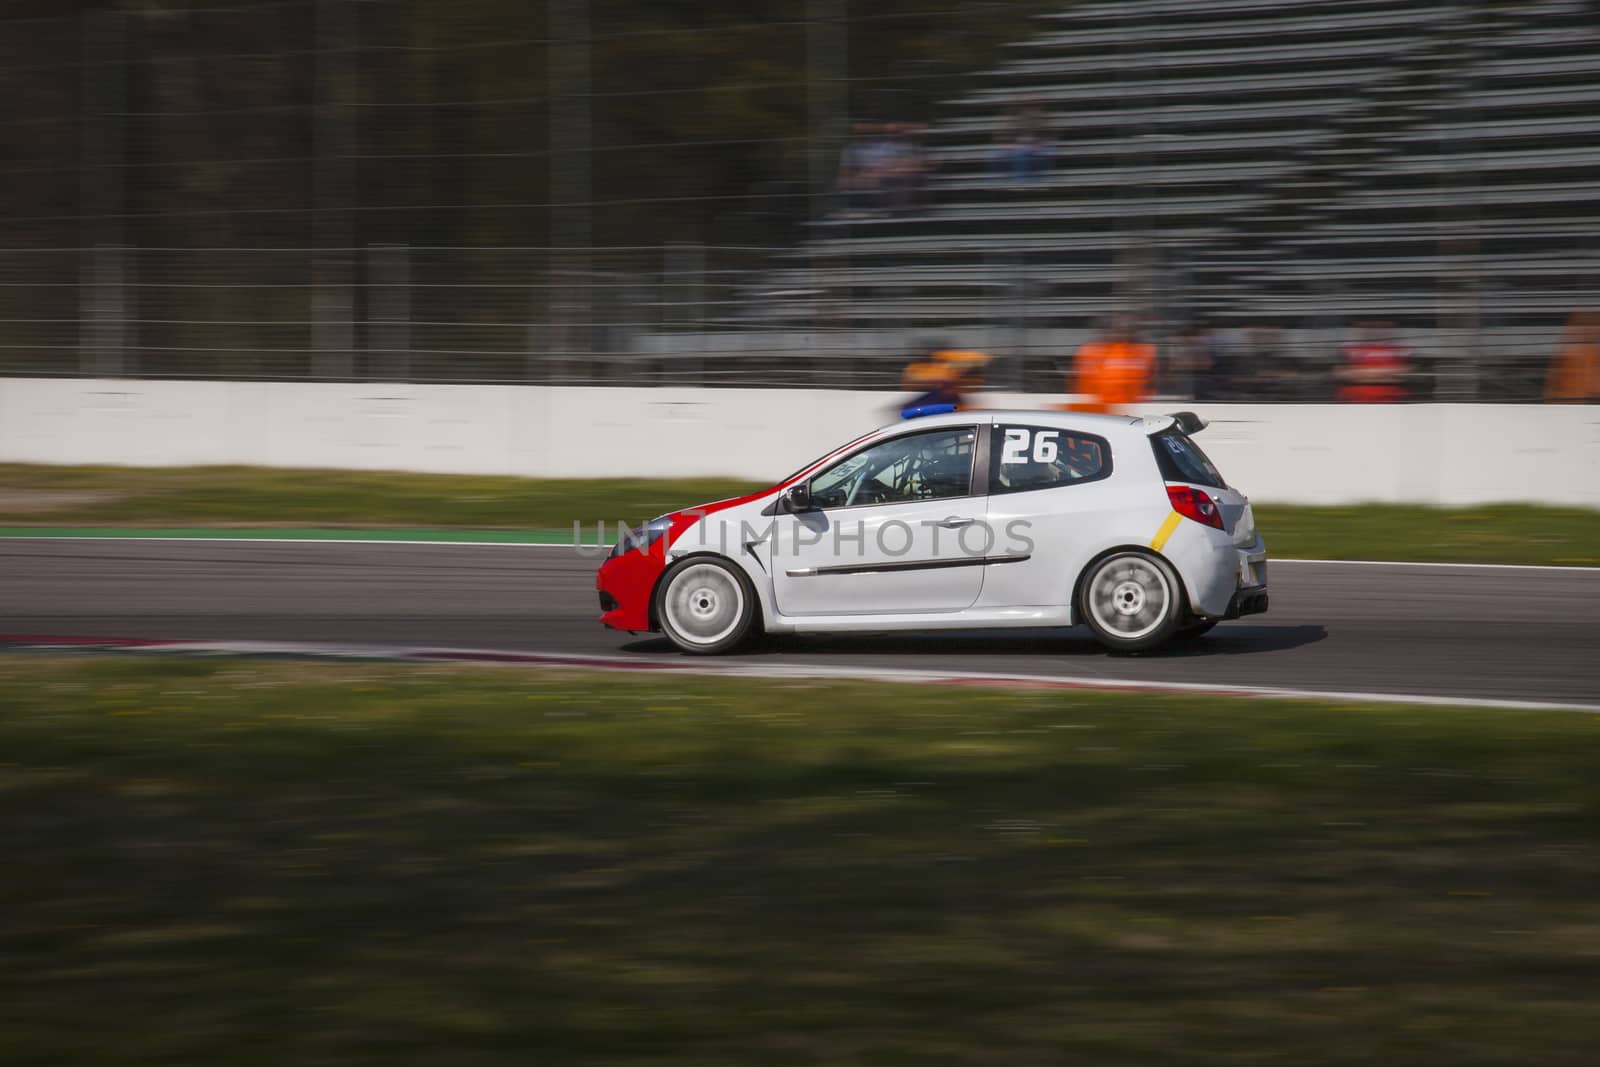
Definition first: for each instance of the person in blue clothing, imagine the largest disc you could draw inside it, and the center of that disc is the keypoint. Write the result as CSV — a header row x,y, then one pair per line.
x,y
941,380
1023,153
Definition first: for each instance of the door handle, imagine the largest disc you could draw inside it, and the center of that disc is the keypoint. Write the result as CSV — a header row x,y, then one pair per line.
x,y
953,523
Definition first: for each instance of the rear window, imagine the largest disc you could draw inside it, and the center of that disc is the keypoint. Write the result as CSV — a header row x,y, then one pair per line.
x,y
1181,460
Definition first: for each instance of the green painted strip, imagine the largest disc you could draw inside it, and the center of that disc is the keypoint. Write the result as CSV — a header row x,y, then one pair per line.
x,y
487,537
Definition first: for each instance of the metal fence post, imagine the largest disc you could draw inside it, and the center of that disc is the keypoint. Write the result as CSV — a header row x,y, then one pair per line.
x,y
570,312
1020,321
389,312
686,278
332,265
102,292
104,296
827,55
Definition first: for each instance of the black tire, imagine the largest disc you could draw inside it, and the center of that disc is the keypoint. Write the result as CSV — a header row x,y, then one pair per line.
x,y
705,605
1195,629
1131,600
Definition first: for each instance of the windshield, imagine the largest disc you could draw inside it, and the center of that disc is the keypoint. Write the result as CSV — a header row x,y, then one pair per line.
x,y
805,467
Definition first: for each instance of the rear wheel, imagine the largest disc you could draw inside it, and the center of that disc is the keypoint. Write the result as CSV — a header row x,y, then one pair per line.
x,y
1132,601
705,606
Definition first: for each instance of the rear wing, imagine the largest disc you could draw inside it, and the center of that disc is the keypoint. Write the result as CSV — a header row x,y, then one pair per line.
x,y
1187,422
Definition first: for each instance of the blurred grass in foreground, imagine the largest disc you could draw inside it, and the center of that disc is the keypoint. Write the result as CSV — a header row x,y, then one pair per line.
x,y
254,496
258,862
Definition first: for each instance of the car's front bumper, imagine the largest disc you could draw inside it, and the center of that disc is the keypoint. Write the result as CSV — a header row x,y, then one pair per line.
x,y
625,585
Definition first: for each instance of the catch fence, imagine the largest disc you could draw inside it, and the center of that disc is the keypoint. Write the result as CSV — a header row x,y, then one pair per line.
x,y
560,192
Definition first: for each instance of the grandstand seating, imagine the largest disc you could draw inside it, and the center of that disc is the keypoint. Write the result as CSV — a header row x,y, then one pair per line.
x,y
1309,164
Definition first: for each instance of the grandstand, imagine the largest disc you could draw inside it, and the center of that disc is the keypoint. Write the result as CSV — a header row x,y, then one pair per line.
x,y
1310,165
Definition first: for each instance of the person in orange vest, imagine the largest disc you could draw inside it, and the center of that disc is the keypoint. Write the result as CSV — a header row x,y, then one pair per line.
x,y
945,376
1374,367
1575,373
1113,371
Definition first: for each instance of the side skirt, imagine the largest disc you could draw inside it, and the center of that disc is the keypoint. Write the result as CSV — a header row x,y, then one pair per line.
x,y
970,619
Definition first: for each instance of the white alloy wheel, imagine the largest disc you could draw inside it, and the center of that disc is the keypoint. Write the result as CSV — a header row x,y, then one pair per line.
x,y
705,606
1131,601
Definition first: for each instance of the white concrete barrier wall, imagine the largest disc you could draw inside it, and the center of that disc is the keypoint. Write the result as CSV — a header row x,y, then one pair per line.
x,y
1291,453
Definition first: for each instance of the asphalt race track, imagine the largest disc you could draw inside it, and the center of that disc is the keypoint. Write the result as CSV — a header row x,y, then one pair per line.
x,y
1469,632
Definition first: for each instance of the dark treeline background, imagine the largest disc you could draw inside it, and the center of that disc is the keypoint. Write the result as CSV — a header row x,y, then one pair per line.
x,y
209,123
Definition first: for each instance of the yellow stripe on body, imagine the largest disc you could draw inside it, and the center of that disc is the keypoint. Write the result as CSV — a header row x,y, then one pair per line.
x,y
1159,541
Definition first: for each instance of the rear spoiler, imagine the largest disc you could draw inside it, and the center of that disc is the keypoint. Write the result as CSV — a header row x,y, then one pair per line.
x,y
1185,421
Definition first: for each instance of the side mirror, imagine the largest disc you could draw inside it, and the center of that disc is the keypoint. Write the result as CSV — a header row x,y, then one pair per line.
x,y
798,497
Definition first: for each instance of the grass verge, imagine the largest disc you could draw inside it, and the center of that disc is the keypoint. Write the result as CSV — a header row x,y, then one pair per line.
x,y
257,862
259,497
1500,533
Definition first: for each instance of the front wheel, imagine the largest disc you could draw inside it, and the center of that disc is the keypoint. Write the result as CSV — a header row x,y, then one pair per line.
x,y
705,606
1132,601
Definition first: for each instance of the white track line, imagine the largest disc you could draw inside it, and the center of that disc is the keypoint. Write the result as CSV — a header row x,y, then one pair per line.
x,y
1062,681
583,661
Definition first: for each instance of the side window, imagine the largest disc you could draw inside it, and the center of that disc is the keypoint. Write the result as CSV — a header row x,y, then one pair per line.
x,y
918,466
1022,458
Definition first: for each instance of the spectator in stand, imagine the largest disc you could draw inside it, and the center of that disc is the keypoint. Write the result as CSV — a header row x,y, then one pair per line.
x,y
1273,373
1192,363
1115,370
863,168
900,168
1206,365
1228,373
1023,155
1374,367
906,166
1575,372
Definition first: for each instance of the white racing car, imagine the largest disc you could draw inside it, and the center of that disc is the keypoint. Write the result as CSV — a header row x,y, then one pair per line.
x,y
965,520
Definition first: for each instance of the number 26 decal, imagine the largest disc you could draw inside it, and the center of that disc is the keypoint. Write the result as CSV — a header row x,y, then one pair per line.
x,y
1016,447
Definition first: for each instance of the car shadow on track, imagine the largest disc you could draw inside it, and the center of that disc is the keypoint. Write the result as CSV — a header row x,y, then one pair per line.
x,y
1226,640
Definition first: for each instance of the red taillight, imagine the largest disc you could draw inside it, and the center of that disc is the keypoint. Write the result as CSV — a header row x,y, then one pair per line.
x,y
1194,504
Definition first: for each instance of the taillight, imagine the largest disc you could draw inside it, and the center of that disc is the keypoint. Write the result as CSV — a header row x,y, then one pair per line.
x,y
1194,504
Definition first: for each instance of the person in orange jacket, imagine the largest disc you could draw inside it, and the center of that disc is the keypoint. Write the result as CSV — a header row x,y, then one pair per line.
x,y
1113,371
945,376
1575,372
1373,368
